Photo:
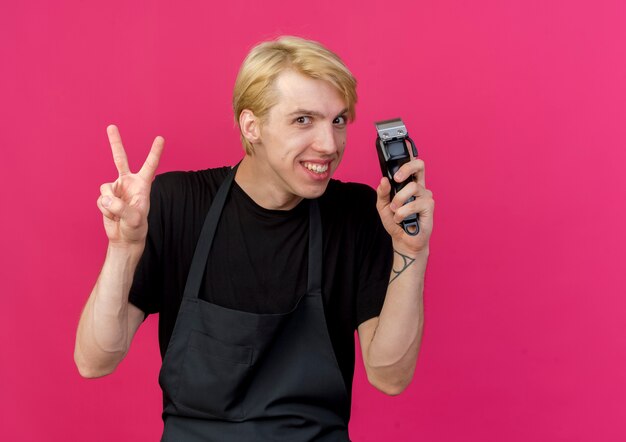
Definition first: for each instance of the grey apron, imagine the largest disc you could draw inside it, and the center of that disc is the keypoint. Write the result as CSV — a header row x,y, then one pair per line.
x,y
230,375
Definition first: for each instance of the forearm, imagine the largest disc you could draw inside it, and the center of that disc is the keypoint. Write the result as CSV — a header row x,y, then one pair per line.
x,y
103,334
394,346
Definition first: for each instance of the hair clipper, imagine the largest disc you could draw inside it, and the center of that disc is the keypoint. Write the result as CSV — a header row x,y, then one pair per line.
x,y
392,147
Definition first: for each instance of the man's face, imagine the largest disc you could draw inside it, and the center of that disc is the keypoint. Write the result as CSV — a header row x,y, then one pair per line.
x,y
303,137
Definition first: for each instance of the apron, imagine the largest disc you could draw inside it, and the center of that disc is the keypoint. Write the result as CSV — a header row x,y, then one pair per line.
x,y
229,375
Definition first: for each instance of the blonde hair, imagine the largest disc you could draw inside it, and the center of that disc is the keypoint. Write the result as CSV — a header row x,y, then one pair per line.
x,y
253,87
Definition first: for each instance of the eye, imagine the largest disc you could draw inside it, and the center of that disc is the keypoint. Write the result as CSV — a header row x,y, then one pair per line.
x,y
303,120
340,120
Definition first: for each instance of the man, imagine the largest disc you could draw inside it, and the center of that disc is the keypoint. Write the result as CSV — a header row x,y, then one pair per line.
x,y
261,272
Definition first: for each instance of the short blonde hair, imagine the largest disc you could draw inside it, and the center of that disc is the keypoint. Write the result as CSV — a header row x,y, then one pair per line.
x,y
253,87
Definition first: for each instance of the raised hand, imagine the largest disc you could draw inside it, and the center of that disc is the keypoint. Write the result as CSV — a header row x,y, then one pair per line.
x,y
125,202
394,211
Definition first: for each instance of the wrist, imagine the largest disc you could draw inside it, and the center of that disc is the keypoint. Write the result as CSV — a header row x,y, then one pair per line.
x,y
400,247
126,252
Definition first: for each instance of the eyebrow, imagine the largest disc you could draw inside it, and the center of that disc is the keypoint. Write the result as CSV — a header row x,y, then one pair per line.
x,y
314,113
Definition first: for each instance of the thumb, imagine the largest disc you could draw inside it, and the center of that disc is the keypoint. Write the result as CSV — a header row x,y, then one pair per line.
x,y
383,205
382,193
120,210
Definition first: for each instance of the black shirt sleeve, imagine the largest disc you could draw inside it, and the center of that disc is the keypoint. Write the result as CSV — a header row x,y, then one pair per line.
x,y
145,291
376,258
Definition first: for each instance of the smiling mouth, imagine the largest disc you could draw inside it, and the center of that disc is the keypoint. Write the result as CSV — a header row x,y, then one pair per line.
x,y
317,168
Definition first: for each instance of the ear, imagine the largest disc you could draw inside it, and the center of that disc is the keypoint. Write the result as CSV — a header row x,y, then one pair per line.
x,y
250,126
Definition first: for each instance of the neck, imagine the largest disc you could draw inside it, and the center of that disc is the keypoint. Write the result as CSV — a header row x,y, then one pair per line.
x,y
256,181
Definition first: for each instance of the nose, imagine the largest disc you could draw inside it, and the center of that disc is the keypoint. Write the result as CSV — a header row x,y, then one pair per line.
x,y
326,141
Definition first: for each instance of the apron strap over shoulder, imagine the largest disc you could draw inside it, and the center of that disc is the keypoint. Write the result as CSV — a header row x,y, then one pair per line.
x,y
315,248
201,254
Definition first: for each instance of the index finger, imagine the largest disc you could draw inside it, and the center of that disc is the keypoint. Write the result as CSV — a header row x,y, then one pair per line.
x,y
117,148
152,161
414,167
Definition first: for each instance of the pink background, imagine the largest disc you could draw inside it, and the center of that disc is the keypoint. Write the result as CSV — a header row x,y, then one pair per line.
x,y
519,111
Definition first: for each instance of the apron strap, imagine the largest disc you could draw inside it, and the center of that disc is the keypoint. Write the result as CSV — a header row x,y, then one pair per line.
x,y
315,249
201,254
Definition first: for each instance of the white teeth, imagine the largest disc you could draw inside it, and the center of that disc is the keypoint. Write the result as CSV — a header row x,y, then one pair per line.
x,y
318,168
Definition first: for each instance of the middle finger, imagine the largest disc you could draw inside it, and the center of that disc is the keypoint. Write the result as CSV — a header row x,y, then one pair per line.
x,y
415,167
411,189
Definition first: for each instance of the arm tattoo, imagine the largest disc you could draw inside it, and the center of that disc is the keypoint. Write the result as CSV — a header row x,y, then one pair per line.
x,y
406,262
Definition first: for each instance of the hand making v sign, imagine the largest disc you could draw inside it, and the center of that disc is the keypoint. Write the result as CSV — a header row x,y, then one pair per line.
x,y
126,201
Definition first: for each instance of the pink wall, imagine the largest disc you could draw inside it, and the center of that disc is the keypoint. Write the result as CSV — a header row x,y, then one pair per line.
x,y
519,109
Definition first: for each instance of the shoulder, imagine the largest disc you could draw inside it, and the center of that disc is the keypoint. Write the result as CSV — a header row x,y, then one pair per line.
x,y
343,190
180,183
185,194
179,201
350,207
177,179
350,196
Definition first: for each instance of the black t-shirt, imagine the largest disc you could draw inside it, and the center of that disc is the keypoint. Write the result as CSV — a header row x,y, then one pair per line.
x,y
258,261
